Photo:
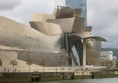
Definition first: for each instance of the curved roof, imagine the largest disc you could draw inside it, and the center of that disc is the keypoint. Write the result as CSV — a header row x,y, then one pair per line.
x,y
93,51
97,38
66,24
46,27
42,17
14,34
84,36
74,24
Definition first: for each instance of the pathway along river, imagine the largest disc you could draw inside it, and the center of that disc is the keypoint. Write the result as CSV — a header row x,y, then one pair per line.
x,y
101,80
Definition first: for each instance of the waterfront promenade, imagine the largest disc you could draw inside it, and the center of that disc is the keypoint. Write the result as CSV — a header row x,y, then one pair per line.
x,y
57,73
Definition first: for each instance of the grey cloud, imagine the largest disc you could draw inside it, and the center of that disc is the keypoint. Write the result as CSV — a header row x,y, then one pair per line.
x,y
24,12
9,4
103,15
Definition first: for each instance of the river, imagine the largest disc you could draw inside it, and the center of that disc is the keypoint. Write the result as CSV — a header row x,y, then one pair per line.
x,y
103,80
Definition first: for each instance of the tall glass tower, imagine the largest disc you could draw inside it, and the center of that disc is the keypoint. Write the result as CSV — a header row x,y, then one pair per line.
x,y
82,4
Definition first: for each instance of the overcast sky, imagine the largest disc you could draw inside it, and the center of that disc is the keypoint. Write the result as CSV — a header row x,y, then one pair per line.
x,y
102,15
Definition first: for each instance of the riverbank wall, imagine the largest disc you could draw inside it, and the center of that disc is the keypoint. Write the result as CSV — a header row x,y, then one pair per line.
x,y
19,77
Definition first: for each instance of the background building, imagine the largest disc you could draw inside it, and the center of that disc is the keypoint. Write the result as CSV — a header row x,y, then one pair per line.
x,y
106,55
82,4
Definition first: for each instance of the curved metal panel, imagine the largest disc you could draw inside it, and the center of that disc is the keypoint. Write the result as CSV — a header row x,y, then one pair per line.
x,y
85,36
46,28
78,25
66,24
92,49
42,17
71,25
93,52
97,38
93,45
14,34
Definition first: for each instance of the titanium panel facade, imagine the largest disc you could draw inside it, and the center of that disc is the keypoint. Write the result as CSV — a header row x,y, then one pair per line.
x,y
46,27
62,37
93,52
42,17
51,59
14,34
66,24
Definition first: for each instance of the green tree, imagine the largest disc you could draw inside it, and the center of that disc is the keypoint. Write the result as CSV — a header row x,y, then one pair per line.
x,y
13,63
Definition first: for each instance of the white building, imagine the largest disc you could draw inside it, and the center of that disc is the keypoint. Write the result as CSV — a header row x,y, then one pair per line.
x,y
106,55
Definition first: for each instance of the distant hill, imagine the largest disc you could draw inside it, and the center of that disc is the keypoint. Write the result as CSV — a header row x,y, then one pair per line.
x,y
115,51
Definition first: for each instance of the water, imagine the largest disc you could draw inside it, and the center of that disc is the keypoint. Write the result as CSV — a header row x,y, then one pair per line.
x,y
103,80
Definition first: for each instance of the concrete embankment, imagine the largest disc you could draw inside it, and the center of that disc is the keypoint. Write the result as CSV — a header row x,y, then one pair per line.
x,y
8,77
95,74
35,76
104,74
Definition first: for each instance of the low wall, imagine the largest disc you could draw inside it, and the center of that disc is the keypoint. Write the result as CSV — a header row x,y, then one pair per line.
x,y
53,76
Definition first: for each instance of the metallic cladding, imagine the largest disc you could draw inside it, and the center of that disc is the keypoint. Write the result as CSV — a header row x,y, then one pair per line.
x,y
58,38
